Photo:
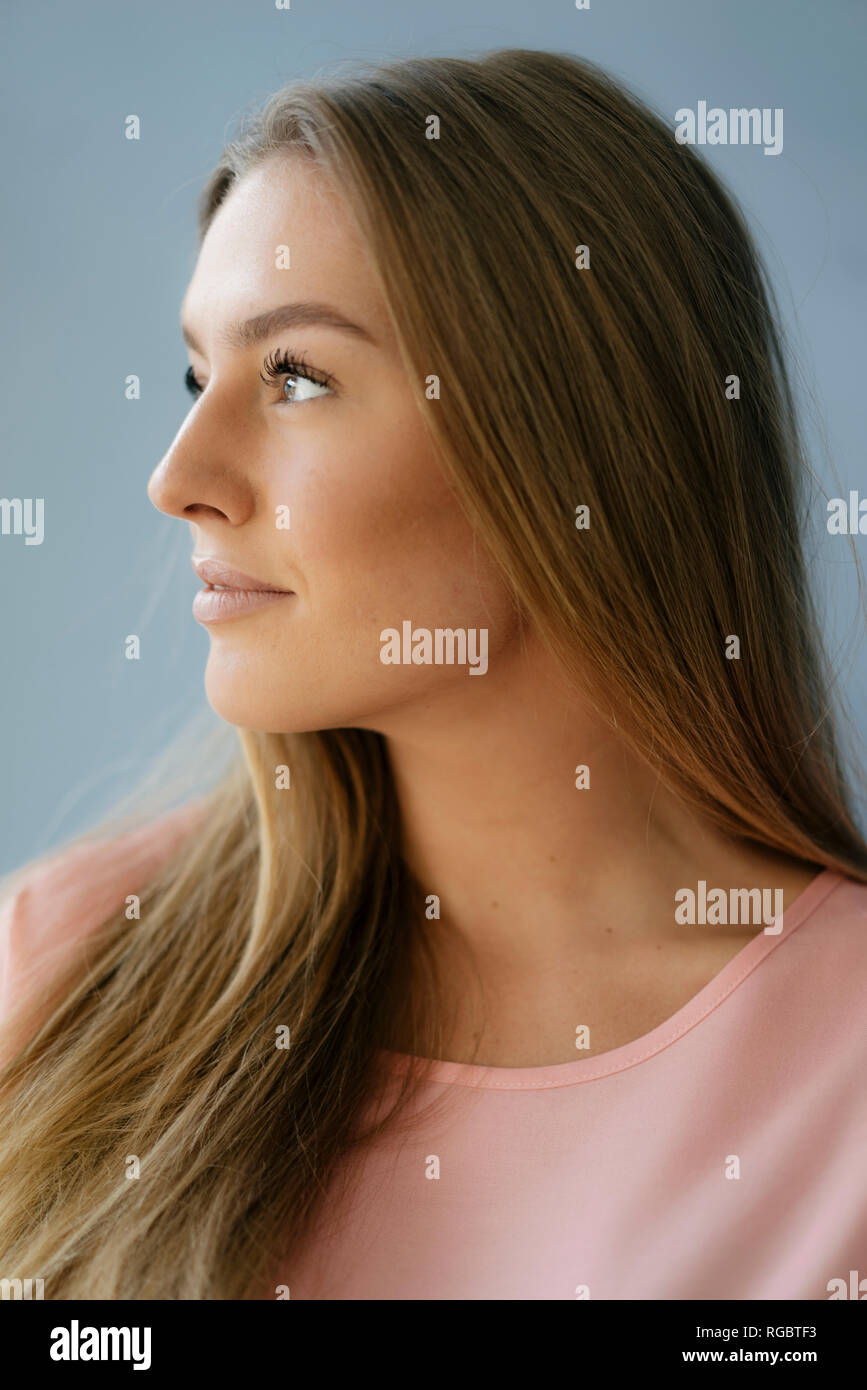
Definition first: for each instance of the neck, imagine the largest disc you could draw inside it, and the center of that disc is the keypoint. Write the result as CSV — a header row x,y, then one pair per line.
x,y
526,865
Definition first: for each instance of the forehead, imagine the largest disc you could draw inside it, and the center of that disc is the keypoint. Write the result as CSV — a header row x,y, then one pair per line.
x,y
241,270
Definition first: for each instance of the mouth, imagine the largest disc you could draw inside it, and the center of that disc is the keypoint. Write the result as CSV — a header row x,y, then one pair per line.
x,y
218,575
217,605
237,589
229,593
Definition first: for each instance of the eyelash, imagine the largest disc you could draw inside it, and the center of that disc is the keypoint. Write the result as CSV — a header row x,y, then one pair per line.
x,y
277,364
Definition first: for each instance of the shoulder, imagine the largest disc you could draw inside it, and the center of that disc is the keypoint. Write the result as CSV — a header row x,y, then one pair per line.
x,y
827,931
834,915
57,901
821,971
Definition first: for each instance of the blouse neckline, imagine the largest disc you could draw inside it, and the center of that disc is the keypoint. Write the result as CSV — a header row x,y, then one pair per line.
x,y
630,1054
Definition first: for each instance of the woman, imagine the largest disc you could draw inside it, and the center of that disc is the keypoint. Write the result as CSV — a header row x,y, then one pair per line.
x,y
522,956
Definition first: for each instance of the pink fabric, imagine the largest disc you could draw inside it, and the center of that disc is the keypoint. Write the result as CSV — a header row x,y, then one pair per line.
x,y
44,921
606,1174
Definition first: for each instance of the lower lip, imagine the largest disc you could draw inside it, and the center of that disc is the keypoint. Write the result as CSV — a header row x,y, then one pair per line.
x,y
218,605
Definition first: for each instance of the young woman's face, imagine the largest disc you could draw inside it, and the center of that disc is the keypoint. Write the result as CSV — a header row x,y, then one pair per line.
x,y
375,536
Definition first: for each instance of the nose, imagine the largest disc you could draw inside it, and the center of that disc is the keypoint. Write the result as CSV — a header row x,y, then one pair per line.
x,y
199,477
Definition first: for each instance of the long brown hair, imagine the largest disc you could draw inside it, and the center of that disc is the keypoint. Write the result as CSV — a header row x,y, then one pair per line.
x,y
562,385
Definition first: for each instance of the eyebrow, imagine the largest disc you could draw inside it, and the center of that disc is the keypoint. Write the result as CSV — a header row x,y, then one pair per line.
x,y
302,314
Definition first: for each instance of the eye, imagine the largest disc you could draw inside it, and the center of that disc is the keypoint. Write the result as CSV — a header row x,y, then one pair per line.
x,y
305,382
190,382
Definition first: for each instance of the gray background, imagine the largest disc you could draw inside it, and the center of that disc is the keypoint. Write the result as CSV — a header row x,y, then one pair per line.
x,y
99,243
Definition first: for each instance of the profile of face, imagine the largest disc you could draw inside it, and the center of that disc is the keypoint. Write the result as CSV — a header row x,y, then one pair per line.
x,y
304,464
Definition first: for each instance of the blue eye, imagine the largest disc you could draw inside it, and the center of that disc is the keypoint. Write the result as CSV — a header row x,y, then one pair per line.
x,y
278,365
294,368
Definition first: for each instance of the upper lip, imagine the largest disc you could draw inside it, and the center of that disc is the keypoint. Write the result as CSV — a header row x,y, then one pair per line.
x,y
215,572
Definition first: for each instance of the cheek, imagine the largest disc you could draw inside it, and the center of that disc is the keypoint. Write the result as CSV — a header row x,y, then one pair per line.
x,y
380,535
376,538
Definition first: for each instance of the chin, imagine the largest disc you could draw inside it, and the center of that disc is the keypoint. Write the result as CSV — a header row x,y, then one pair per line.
x,y
239,699
252,694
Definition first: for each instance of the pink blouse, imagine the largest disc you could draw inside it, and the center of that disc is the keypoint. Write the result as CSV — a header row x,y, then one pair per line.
x,y
721,1155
